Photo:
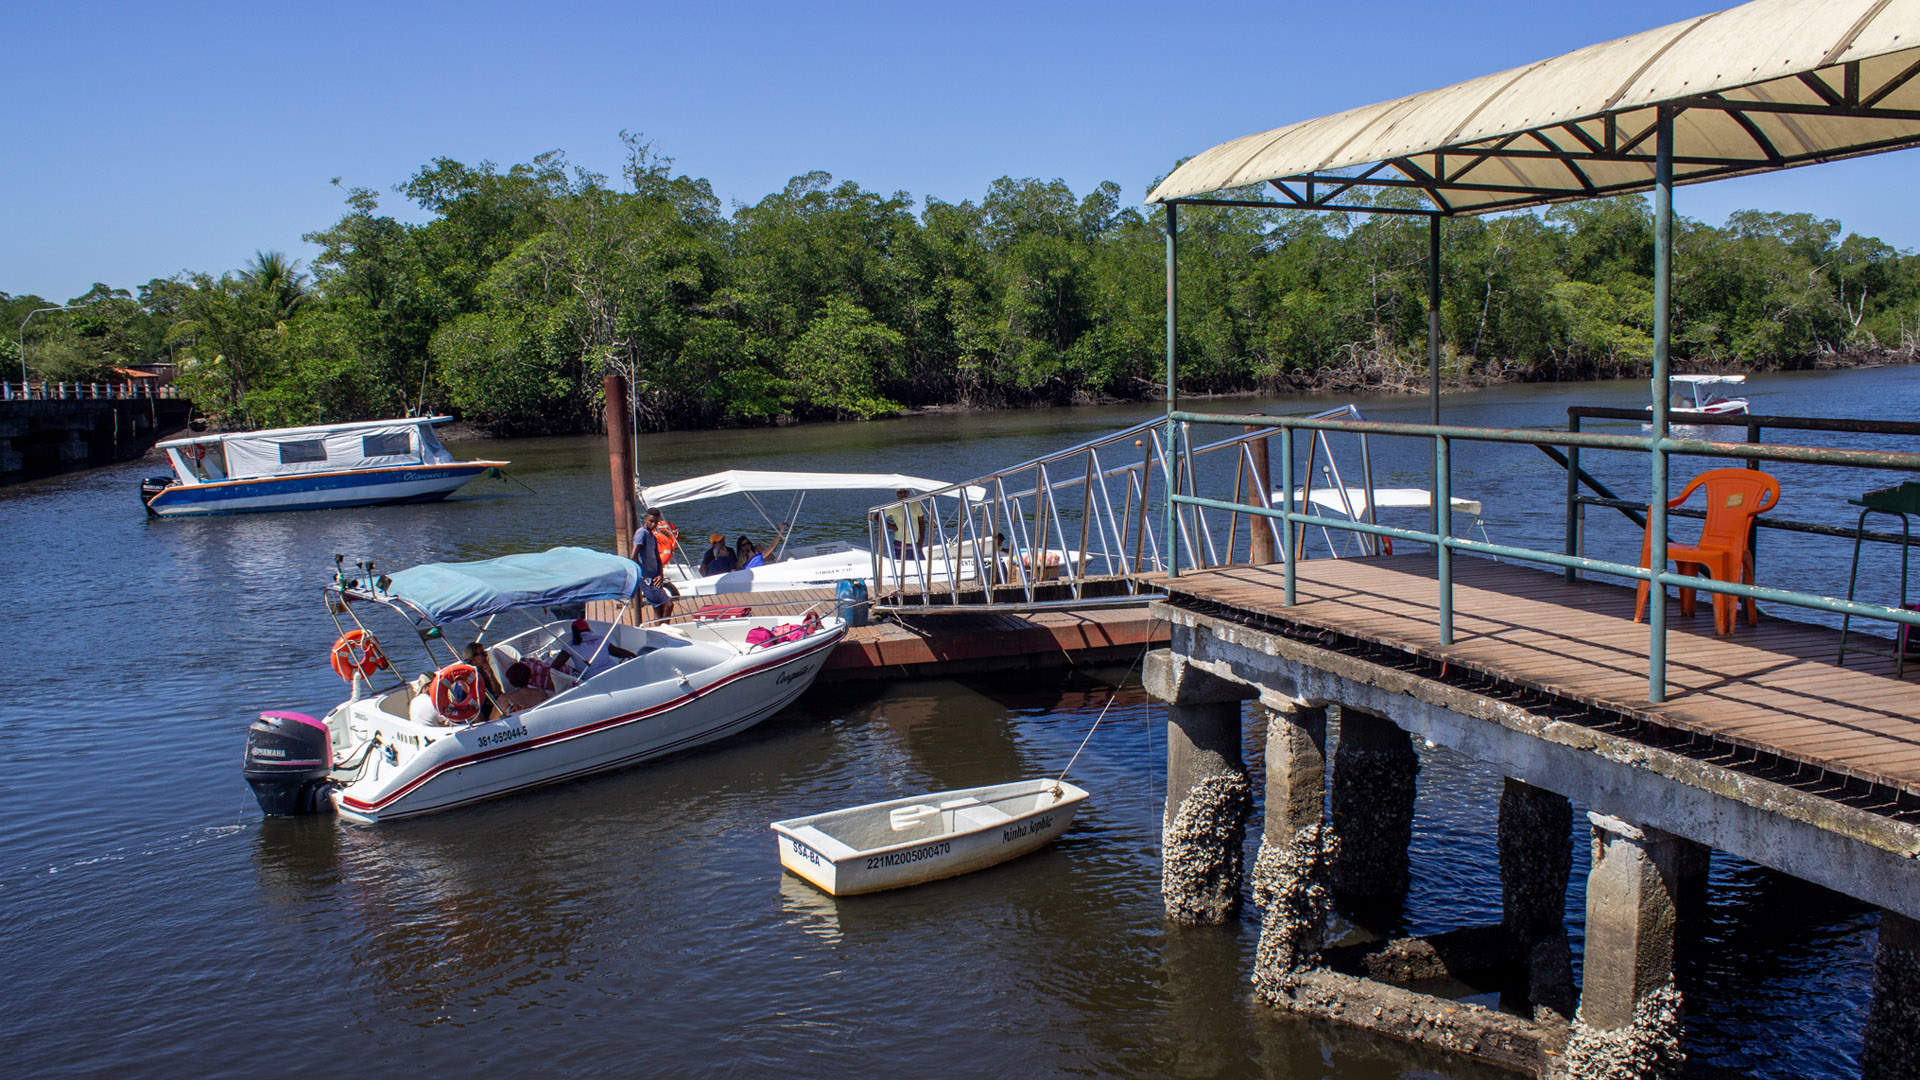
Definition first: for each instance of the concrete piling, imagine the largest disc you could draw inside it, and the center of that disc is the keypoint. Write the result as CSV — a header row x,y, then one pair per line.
x,y
1629,1023
1536,861
1289,878
1891,1048
1208,795
1374,768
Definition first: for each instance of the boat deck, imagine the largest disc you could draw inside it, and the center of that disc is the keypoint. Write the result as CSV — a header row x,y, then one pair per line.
x,y
1772,689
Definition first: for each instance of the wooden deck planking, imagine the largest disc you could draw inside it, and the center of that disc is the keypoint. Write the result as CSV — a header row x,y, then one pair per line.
x,y
1774,688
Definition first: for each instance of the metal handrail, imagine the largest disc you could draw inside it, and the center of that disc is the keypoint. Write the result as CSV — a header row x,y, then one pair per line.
x,y
1445,543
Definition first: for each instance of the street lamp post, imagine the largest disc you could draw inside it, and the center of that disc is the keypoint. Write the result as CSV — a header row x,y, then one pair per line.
x,y
23,339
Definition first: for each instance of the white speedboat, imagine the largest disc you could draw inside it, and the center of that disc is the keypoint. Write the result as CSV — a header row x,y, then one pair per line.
x,y
1705,396
308,468
796,566
920,838
618,694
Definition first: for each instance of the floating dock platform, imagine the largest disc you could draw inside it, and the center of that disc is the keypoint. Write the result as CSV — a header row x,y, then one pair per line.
x,y
940,644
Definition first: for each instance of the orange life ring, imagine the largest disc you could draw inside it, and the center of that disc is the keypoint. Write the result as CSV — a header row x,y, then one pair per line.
x,y
456,692
1386,545
197,452
357,650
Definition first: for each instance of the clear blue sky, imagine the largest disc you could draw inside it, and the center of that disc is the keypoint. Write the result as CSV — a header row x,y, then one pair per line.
x,y
147,139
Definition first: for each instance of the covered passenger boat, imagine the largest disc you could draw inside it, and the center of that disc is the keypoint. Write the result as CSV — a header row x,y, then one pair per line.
x,y
790,566
308,468
597,695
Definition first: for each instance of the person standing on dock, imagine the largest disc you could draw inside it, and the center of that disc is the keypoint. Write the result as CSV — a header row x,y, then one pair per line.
x,y
907,521
646,552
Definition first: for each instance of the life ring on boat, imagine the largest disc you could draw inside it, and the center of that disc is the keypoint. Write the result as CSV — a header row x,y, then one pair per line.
x,y
456,692
197,452
357,650
1386,545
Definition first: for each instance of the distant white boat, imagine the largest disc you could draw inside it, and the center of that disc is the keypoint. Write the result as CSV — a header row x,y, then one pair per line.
x,y
921,838
1705,395
1354,504
308,468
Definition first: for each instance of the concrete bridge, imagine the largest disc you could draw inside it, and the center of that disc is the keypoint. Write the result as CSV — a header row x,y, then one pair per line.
x,y
39,437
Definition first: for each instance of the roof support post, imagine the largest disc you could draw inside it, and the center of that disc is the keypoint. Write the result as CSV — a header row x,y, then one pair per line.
x,y
1433,364
1170,469
1662,336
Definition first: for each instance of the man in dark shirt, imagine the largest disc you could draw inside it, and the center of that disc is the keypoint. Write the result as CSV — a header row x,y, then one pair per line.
x,y
719,558
646,552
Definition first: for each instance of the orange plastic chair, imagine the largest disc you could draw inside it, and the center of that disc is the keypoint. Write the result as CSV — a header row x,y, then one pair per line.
x,y
1734,498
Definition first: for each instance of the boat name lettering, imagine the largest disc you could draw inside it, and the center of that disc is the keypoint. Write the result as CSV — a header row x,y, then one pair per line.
x,y
913,855
789,677
804,851
1015,832
499,737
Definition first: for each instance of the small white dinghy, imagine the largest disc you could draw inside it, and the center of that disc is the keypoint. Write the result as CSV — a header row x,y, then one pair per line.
x,y
921,838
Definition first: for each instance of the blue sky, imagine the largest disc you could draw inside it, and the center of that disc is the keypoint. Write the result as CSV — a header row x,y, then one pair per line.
x,y
153,138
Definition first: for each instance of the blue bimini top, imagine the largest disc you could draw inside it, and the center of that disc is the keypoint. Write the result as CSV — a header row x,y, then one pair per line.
x,y
451,592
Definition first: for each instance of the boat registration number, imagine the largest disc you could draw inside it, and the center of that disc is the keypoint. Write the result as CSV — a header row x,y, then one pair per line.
x,y
498,737
912,855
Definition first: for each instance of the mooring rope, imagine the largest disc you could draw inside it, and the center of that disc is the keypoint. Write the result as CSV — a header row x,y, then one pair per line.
x,y
1111,698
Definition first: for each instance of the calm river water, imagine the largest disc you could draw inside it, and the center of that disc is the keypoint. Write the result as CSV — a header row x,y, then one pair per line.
x,y
639,923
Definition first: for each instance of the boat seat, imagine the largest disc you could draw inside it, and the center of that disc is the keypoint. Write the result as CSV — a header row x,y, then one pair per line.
x,y
979,816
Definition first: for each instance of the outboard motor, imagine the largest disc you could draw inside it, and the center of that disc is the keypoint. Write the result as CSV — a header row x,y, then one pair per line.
x,y
151,486
289,756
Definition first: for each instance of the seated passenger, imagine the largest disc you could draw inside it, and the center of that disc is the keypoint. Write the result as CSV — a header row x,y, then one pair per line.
x,y
747,554
718,558
479,656
520,695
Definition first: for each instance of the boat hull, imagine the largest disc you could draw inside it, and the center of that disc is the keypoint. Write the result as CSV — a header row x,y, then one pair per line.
x,y
604,728
968,839
314,491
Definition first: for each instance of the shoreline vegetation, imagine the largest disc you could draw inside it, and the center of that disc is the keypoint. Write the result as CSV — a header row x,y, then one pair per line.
x,y
826,301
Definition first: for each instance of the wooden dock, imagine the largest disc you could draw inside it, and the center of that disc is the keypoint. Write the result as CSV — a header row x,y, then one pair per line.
x,y
1773,689
934,645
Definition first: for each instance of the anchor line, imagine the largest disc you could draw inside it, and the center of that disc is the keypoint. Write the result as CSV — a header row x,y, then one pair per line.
x,y
1144,647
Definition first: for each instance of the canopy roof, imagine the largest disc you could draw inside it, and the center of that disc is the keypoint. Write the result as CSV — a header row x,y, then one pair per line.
x,y
741,481
451,592
1767,85
311,431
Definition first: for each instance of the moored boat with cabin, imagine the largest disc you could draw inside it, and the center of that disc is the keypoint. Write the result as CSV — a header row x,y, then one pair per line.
x,y
364,463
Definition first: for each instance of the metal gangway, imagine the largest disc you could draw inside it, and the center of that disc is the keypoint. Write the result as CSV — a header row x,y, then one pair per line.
x,y
1084,526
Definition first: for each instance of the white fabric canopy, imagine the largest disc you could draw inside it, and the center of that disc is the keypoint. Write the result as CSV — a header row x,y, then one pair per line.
x,y
1767,85
329,448
741,481
1384,498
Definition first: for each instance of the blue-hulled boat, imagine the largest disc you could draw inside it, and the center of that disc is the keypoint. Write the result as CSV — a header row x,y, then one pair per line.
x,y
308,468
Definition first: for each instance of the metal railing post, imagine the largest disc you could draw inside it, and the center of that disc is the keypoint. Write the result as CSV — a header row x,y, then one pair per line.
x,y
1443,520
1575,515
1662,337
1288,550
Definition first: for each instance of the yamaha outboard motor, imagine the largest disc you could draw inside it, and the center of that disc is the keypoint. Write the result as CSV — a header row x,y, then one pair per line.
x,y
289,755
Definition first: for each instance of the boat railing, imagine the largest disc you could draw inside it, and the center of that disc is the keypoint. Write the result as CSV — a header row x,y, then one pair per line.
x,y
1080,527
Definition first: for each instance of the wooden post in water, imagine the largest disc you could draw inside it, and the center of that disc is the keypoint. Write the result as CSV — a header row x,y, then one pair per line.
x,y
1260,532
620,461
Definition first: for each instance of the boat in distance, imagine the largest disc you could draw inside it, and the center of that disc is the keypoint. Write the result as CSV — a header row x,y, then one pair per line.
x,y
365,463
594,695
921,838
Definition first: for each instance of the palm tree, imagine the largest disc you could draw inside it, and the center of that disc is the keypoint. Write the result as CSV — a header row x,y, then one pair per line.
x,y
278,282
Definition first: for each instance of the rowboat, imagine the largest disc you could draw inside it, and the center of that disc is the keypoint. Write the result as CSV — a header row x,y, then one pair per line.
x,y
604,695
921,838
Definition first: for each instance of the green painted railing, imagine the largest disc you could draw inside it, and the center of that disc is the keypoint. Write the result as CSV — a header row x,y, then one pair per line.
x,y
1445,544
